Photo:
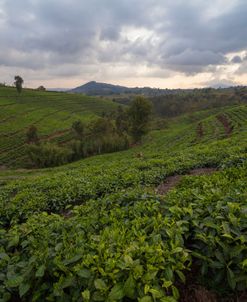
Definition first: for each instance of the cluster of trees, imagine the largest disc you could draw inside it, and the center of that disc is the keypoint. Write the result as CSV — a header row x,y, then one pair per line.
x,y
174,104
177,104
41,88
99,136
111,132
19,82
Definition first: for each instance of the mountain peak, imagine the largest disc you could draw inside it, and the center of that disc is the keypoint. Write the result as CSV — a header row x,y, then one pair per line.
x,y
97,88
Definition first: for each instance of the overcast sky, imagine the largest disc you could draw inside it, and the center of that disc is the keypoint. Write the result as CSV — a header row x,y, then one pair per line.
x,y
157,43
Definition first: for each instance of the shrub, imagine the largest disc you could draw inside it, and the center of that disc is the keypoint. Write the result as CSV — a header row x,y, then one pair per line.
x,y
48,155
32,135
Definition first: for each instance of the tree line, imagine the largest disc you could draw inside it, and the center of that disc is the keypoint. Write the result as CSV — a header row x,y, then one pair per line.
x,y
171,105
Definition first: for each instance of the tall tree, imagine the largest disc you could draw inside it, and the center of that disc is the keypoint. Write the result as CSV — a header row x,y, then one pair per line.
x,y
139,115
18,83
121,120
79,129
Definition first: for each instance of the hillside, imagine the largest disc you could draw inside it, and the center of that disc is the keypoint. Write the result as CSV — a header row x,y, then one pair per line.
x,y
51,112
153,223
96,88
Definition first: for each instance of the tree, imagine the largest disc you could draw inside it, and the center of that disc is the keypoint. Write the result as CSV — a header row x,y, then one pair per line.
x,y
18,83
41,88
32,135
100,128
139,116
121,120
78,128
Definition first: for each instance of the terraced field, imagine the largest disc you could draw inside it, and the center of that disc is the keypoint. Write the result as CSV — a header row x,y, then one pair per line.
x,y
51,112
101,229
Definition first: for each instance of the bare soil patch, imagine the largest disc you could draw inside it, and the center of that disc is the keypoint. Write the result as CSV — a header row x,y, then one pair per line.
x,y
202,171
172,181
54,135
169,183
66,214
226,124
197,293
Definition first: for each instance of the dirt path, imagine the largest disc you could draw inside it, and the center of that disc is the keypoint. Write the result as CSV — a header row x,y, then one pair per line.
x,y
226,124
172,181
54,135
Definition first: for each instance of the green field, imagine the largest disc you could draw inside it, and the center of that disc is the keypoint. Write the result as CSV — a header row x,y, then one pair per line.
x,y
51,112
100,230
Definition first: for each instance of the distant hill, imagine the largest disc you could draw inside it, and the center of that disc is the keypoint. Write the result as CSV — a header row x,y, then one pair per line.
x,y
96,88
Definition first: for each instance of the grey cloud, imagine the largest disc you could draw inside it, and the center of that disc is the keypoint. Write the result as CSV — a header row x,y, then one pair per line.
x,y
190,29
185,36
236,60
194,60
109,33
219,83
242,68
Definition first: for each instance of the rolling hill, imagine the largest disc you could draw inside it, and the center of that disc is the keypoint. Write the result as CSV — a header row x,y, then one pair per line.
x,y
152,223
51,112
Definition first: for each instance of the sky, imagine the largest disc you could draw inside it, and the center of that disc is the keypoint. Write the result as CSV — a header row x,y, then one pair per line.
x,y
155,43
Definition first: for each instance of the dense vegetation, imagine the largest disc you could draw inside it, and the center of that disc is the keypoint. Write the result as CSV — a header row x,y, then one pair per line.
x,y
98,136
97,229
113,132
174,103
89,134
52,113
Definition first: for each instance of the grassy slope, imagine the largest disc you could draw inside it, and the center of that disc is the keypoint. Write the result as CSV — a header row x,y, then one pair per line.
x,y
165,152
119,214
51,112
180,133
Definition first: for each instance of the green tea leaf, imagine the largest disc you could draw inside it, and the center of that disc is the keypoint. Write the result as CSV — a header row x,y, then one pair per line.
x,y
117,292
244,263
23,289
129,287
175,292
86,295
100,284
231,278
145,299
84,273
14,281
40,272
128,260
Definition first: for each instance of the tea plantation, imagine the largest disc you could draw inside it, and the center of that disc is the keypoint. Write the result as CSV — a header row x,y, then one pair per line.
x,y
51,112
99,230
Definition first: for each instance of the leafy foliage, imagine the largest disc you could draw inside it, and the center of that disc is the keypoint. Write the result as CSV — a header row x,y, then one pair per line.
x,y
96,230
139,115
78,128
32,135
48,155
18,83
